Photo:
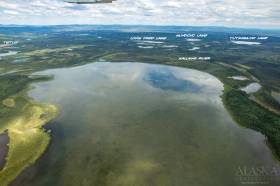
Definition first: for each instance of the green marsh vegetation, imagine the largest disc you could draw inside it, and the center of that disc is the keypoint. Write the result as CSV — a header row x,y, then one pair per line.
x,y
251,115
23,119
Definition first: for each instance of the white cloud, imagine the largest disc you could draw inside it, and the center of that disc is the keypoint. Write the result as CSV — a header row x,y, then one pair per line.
x,y
8,5
12,12
244,13
172,4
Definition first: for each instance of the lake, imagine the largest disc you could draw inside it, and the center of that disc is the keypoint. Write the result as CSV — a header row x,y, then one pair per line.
x,y
252,88
9,53
135,124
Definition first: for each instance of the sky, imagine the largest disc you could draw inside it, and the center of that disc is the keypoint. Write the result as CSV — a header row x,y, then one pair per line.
x,y
229,13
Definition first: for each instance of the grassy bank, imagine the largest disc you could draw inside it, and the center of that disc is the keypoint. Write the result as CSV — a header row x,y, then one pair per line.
x,y
251,115
23,118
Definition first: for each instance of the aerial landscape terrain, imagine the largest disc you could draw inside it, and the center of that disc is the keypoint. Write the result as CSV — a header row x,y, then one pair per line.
x,y
139,105
139,93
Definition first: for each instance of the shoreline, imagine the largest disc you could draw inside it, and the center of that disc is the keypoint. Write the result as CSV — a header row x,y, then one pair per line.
x,y
4,148
26,126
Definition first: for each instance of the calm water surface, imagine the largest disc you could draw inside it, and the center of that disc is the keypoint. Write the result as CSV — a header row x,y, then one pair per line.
x,y
133,124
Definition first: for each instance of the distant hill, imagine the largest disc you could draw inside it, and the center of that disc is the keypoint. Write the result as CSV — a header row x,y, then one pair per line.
x,y
12,29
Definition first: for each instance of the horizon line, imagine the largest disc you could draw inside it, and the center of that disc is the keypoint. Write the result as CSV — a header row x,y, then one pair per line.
x,y
148,25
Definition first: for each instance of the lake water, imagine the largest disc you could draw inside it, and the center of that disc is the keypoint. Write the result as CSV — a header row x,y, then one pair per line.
x,y
240,78
4,140
134,124
276,96
10,53
252,88
246,43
